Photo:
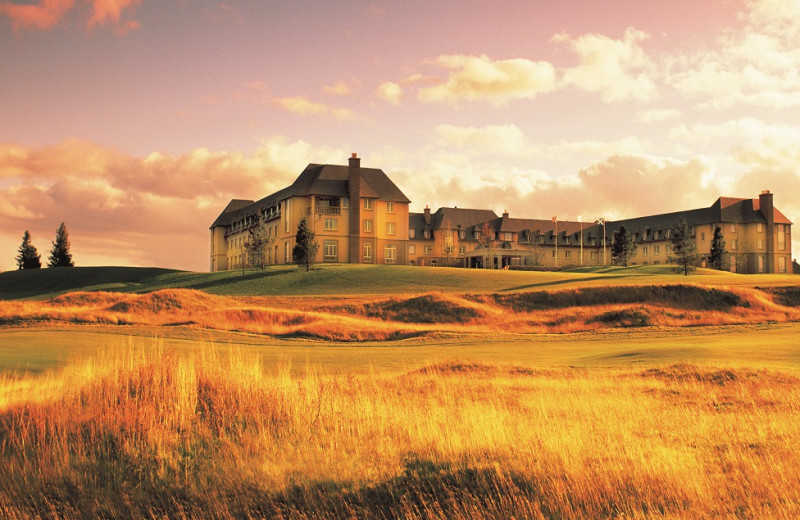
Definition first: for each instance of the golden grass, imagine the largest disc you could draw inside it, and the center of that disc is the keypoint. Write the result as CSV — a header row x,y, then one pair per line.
x,y
215,435
383,318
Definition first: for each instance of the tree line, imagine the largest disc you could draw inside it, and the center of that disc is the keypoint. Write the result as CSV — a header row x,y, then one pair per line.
x,y
60,256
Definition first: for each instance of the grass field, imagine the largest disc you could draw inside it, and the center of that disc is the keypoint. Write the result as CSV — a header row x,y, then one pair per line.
x,y
602,393
331,280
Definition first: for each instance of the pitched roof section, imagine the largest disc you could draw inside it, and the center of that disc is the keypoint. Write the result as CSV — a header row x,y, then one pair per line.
x,y
332,180
462,218
317,179
226,217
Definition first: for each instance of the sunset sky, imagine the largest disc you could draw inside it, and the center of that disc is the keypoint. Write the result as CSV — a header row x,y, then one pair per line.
x,y
136,121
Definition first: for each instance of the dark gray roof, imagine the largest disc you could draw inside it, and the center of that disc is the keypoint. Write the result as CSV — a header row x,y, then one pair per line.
x,y
332,179
461,218
317,179
227,216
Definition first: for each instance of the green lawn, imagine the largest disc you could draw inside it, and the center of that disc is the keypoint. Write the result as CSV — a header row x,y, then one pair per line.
x,y
773,346
353,280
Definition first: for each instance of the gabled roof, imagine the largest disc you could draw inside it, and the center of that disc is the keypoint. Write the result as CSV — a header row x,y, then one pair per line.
x,y
317,179
461,218
226,217
332,179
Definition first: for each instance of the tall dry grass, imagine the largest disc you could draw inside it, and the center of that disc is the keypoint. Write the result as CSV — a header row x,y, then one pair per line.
x,y
215,435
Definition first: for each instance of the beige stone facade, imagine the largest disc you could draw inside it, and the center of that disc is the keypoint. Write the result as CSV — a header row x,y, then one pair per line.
x,y
360,216
357,214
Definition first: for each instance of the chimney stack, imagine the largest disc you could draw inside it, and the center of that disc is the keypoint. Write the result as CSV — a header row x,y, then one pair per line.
x,y
427,214
354,192
505,213
766,208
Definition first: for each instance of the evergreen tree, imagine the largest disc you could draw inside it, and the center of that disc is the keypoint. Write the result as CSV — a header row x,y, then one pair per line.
x,y
716,259
305,252
623,247
684,247
28,257
60,255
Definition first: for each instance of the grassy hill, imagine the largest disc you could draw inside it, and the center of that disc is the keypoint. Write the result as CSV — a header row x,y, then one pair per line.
x,y
331,280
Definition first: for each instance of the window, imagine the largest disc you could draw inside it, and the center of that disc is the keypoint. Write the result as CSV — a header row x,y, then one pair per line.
x,y
760,264
703,237
331,224
367,203
668,249
760,227
367,253
390,252
644,251
781,264
367,224
476,234
541,239
656,250
412,249
448,250
462,250
426,233
734,244
655,235
507,236
733,227
781,240
330,250
343,202
427,250
593,255
462,235
760,243
286,251
412,233
554,253
568,254
390,228
390,207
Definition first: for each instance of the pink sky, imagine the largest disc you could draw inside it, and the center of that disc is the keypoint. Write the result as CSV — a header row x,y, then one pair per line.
x,y
135,121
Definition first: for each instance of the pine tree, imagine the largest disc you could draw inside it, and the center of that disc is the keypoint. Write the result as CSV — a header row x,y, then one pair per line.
x,y
623,247
716,259
28,257
305,252
684,247
60,255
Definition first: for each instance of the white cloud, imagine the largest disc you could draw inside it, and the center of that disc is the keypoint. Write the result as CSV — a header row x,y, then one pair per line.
x,y
390,92
498,82
756,66
617,70
656,115
303,106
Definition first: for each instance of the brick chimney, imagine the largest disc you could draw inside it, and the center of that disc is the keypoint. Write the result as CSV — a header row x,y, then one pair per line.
x,y
354,192
766,208
505,213
427,215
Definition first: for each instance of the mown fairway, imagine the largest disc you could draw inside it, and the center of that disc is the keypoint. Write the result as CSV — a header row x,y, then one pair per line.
x,y
676,399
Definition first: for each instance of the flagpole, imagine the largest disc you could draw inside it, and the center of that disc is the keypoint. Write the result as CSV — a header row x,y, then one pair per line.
x,y
555,221
580,221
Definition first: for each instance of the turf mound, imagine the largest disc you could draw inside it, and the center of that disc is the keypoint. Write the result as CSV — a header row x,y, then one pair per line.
x,y
687,297
166,301
786,296
428,308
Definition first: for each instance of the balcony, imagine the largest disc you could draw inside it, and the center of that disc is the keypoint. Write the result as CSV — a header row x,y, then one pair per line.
x,y
328,210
